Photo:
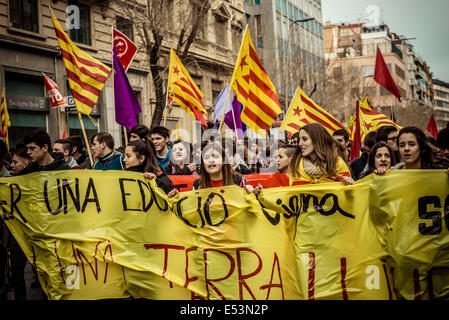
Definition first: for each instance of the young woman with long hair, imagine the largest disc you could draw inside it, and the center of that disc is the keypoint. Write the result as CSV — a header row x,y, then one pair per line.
x,y
417,152
140,156
381,158
216,170
181,159
317,159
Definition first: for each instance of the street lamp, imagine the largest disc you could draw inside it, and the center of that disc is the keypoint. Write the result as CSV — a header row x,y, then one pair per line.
x,y
286,58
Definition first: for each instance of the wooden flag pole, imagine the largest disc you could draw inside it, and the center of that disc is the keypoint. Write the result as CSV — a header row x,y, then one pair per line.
x,y
125,134
224,110
166,102
85,140
235,125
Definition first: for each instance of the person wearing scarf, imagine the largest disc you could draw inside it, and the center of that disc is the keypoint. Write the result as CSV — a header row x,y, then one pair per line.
x,y
317,159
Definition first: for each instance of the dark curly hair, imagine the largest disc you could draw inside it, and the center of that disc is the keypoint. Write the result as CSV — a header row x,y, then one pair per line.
x,y
431,157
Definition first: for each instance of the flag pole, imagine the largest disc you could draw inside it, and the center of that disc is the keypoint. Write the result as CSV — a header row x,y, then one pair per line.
x,y
167,95
85,140
224,110
235,125
125,134
166,102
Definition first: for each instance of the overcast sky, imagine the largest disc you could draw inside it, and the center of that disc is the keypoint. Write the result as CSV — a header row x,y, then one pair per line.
x,y
425,20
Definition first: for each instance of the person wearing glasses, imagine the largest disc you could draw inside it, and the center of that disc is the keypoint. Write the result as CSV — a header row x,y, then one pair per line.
x,y
389,135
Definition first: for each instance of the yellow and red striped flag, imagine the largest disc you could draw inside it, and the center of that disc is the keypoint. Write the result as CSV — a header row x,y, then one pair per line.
x,y
367,120
6,122
254,89
86,75
184,90
365,104
372,120
303,111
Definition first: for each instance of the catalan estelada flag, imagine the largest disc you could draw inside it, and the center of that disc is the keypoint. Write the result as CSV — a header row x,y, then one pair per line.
x,y
6,122
365,104
367,120
86,75
254,89
184,91
303,111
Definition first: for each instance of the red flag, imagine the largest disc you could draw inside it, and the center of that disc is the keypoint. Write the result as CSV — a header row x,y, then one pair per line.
x,y
432,127
355,149
64,135
126,49
383,76
55,96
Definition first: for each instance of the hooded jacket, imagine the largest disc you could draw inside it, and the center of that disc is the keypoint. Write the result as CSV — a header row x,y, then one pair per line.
x,y
112,161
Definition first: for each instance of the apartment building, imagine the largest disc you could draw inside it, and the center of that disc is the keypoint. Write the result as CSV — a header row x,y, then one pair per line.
x,y
350,53
28,47
441,106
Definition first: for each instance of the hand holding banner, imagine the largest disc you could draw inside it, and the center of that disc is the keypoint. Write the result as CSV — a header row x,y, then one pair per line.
x,y
103,235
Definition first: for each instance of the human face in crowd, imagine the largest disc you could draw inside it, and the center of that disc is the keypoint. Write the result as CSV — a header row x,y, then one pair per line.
x,y
58,147
98,149
134,136
305,144
131,158
18,164
392,140
409,149
36,153
213,162
179,153
382,158
294,141
160,143
340,140
283,160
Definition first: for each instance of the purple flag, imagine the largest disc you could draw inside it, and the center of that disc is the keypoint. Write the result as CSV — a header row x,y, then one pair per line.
x,y
126,103
229,119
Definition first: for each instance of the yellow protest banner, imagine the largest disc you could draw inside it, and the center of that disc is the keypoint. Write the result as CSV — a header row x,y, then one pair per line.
x,y
102,235
413,219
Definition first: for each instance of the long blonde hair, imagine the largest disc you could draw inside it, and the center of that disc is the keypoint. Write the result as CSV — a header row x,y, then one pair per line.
x,y
325,148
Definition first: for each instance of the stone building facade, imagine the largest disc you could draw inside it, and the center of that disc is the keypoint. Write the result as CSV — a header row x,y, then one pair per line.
x,y
28,47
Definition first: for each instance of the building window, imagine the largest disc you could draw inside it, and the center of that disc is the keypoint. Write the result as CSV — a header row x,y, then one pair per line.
x,y
354,72
27,105
202,17
125,26
367,71
259,31
338,73
236,38
384,92
354,92
370,91
23,14
221,32
83,34
217,87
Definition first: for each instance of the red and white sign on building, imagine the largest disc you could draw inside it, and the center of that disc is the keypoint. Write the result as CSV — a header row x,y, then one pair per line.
x,y
56,98
126,49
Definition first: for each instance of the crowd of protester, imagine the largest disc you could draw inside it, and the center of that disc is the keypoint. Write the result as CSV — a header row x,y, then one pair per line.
x,y
311,155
